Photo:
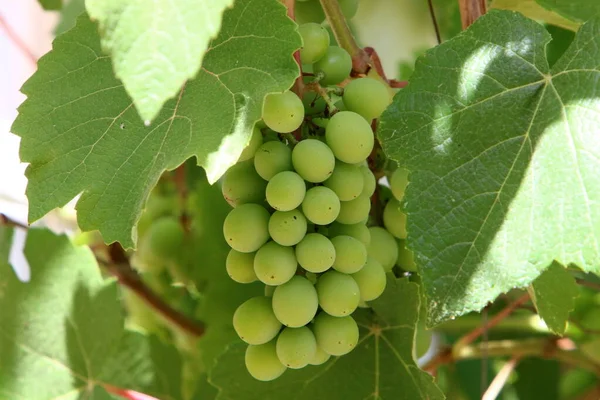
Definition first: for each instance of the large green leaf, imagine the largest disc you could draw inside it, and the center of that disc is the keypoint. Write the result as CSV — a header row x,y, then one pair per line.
x,y
576,10
156,45
62,336
504,155
531,9
554,293
51,4
380,367
81,134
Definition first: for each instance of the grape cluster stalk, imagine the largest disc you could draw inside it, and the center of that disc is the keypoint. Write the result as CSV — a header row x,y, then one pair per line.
x,y
300,217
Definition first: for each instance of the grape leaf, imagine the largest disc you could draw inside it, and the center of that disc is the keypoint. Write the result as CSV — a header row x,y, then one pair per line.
x,y
51,4
68,16
80,133
156,46
62,336
380,367
503,154
554,293
531,9
576,10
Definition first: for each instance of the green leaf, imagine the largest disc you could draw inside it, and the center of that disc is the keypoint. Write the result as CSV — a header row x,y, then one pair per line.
x,y
80,133
531,9
503,154
576,10
68,16
156,46
51,4
554,293
61,334
380,367
538,379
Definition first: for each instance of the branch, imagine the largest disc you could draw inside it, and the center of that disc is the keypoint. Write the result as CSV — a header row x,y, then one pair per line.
x,y
128,277
12,35
470,10
4,220
343,35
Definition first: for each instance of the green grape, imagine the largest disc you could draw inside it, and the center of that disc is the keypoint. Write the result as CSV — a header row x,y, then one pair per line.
x,y
338,293
285,191
316,42
313,160
383,247
262,362
346,181
283,112
255,322
313,103
335,66
406,259
398,182
367,97
394,219
241,184
321,205
162,242
272,158
240,266
350,254
255,141
246,228
275,264
371,280
296,347
350,137
354,211
287,227
349,8
335,336
295,302
269,290
315,253
358,231
369,181
320,357
308,11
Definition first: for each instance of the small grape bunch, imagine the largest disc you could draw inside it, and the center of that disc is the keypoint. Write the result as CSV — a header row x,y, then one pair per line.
x,y
299,220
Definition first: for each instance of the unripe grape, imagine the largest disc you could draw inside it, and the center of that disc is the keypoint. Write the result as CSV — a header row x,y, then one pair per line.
x,y
262,362
358,231
255,322
246,228
350,254
367,97
383,247
313,160
336,335
295,302
275,264
350,137
285,191
309,11
394,219
315,253
398,182
369,181
349,8
296,347
347,181
240,266
255,141
320,357
316,42
241,184
406,259
283,112
287,227
272,158
371,280
335,66
338,293
321,205
354,211
162,242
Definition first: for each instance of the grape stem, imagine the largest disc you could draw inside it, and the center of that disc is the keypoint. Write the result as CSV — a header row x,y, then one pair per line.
x,y
343,35
315,87
470,10
121,269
